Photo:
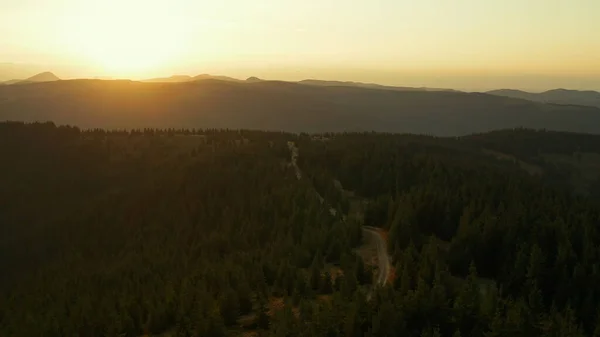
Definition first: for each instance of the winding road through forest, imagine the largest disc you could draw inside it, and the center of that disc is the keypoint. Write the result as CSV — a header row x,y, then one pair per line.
x,y
383,259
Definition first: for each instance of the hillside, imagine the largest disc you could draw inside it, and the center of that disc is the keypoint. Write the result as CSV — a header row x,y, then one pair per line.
x,y
556,96
273,105
166,232
567,160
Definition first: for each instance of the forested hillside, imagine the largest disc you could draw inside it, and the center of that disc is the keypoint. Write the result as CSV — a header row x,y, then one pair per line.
x,y
282,106
211,233
110,233
480,246
556,96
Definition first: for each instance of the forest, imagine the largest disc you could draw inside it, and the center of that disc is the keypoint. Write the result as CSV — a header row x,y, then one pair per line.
x,y
210,232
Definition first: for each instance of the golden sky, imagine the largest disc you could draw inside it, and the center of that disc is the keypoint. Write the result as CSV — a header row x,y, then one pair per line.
x,y
424,41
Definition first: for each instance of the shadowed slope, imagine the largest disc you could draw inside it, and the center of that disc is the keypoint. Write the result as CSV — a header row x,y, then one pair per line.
x,y
274,105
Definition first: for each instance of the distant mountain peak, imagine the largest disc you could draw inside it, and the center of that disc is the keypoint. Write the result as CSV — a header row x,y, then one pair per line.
x,y
171,79
180,77
253,79
43,77
188,78
214,77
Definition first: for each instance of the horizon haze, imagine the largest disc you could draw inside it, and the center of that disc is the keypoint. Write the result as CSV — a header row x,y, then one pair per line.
x,y
467,45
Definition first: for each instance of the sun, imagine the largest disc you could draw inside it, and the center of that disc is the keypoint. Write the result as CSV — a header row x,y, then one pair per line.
x,y
125,48
128,38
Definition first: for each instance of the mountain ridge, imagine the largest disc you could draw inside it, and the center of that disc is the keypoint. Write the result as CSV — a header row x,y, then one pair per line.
x,y
315,82
46,76
282,106
556,96
368,85
188,78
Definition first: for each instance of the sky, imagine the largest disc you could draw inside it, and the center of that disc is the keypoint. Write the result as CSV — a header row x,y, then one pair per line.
x,y
463,44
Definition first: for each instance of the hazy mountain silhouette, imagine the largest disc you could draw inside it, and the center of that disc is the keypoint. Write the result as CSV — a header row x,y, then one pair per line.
x,y
187,78
174,78
213,77
253,79
367,85
557,96
272,105
41,77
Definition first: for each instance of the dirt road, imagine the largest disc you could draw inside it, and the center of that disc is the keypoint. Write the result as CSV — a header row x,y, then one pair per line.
x,y
383,259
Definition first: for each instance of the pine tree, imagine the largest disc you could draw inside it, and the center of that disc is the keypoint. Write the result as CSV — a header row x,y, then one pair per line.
x,y
263,320
229,308
315,277
326,286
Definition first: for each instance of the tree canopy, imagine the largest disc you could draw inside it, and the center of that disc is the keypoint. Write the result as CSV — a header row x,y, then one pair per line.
x,y
210,232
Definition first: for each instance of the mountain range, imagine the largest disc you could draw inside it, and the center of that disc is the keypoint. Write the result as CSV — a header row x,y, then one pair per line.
x,y
286,106
367,85
187,78
41,77
557,96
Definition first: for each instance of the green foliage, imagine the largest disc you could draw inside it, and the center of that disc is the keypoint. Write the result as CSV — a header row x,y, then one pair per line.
x,y
190,232
150,231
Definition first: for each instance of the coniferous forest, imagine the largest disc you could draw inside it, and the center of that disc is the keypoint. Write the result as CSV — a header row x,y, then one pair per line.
x,y
188,232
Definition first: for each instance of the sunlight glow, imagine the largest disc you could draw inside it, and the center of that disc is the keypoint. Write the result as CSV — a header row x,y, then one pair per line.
x,y
401,42
128,39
